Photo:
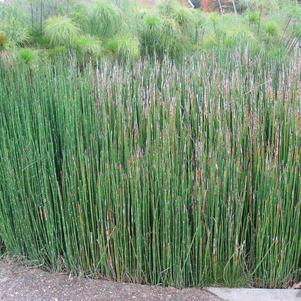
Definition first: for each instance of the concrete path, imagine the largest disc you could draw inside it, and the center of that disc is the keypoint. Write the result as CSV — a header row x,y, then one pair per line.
x,y
19,283
242,294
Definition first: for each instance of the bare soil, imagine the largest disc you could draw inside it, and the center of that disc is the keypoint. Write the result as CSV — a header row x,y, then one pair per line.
x,y
20,283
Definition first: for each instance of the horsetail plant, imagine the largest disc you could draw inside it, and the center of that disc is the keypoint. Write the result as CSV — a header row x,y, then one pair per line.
x,y
153,173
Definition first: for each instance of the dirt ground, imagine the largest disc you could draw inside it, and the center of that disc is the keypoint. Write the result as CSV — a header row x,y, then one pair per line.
x,y
20,283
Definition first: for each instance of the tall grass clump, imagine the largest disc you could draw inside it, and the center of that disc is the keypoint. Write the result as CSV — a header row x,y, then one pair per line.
x,y
123,48
152,172
13,26
61,30
88,46
161,36
105,19
26,55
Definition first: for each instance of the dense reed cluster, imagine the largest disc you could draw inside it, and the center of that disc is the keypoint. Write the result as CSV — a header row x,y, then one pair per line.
x,y
153,172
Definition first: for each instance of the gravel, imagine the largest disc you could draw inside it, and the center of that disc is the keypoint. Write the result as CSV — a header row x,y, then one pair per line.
x,y
20,283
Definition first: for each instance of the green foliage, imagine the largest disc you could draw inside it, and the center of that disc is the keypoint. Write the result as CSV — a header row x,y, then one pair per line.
x,y
224,33
183,16
172,41
167,30
105,19
88,46
81,17
294,11
153,172
167,7
38,11
149,34
254,18
152,21
296,31
186,19
147,170
13,25
26,55
3,40
161,36
16,33
58,52
208,42
271,29
39,41
61,31
123,47
241,37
